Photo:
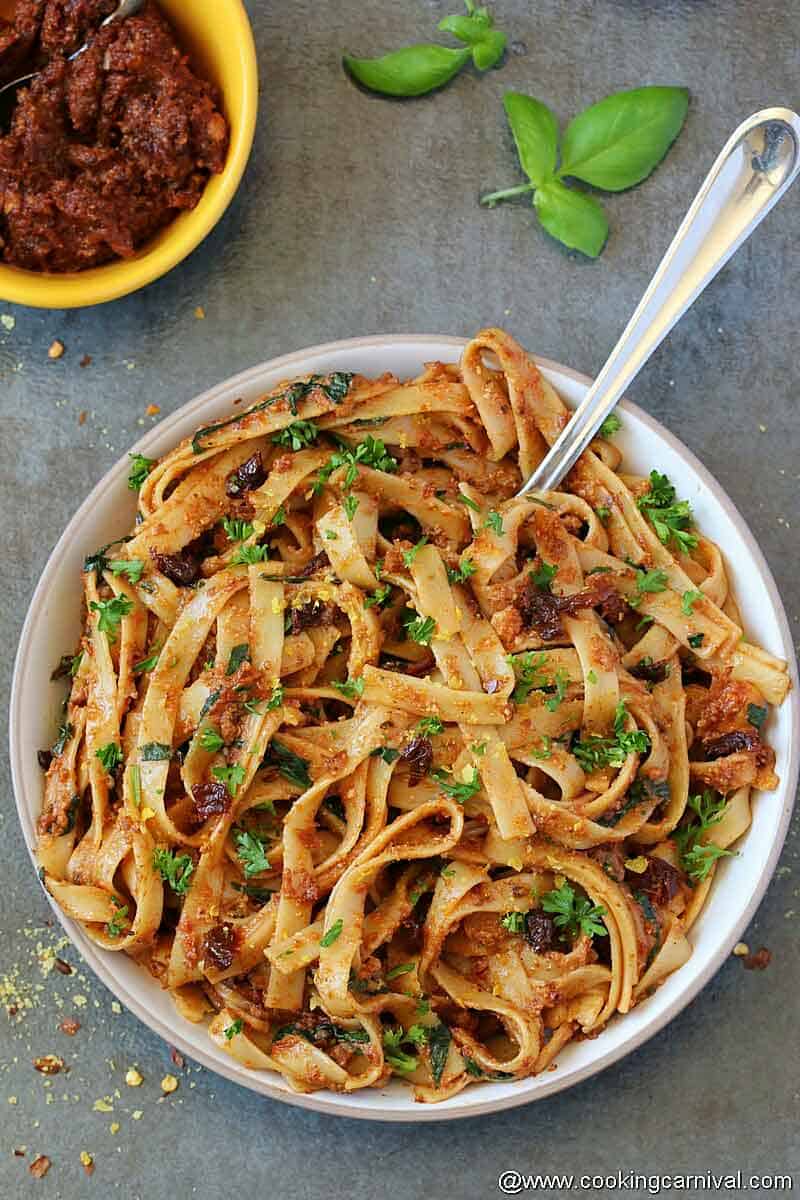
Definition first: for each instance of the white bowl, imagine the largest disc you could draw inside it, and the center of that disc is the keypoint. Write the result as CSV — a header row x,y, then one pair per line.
x,y
52,628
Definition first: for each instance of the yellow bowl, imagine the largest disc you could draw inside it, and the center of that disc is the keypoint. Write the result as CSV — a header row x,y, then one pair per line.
x,y
218,37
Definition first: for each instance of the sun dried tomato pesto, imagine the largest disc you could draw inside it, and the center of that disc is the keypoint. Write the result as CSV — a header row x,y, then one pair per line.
x,y
106,150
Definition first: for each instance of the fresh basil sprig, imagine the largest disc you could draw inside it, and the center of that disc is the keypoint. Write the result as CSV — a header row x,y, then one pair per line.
x,y
612,145
417,70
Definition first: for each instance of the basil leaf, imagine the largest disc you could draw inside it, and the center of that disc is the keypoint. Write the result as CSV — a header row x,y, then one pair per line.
x,y
476,31
617,143
572,217
489,50
535,131
439,1038
155,752
239,654
413,71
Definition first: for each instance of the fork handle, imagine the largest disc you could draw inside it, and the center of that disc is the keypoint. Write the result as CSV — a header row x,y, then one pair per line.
x,y
756,166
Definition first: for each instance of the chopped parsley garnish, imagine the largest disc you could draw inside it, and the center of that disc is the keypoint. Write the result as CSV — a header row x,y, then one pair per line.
x,y
514,922
297,436
110,756
232,777
671,518
528,668
420,629
610,426
174,869
291,766
111,613
591,677
574,914
239,654
332,934
545,751
470,503
251,853
544,576
147,664
351,688
260,707
387,753
140,469
494,522
648,581
460,790
559,682
233,1029
119,922
211,740
279,518
68,664
65,732
131,568
396,1058
369,453
603,512
237,531
410,555
380,597
695,640
463,572
429,726
249,555
697,855
350,506
400,969
595,752
688,600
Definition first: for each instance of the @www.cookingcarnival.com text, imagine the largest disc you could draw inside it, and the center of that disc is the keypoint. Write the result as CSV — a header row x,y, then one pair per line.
x,y
515,1183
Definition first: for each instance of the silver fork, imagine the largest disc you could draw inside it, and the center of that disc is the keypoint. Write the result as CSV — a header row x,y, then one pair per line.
x,y
756,166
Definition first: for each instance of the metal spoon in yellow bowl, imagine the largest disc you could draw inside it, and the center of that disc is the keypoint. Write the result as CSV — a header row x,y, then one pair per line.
x,y
8,92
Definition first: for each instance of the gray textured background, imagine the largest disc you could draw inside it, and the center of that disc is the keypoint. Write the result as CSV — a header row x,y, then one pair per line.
x,y
360,215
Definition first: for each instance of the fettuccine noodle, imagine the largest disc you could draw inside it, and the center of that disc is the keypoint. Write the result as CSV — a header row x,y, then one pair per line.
x,y
387,771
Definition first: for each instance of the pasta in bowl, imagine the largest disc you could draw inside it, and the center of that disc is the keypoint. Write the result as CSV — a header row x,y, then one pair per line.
x,y
387,772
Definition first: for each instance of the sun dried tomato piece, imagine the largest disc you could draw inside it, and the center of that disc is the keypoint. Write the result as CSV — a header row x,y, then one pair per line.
x,y
660,881
317,563
419,756
209,800
182,568
220,946
314,613
730,743
652,672
248,476
540,931
540,611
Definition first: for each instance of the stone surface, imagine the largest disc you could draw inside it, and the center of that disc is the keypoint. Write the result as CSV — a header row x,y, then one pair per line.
x,y
360,215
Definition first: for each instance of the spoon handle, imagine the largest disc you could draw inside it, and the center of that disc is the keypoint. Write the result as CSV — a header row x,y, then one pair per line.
x,y
756,166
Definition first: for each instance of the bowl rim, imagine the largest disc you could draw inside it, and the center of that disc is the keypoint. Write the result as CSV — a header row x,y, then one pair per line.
x,y
121,277
342,1105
